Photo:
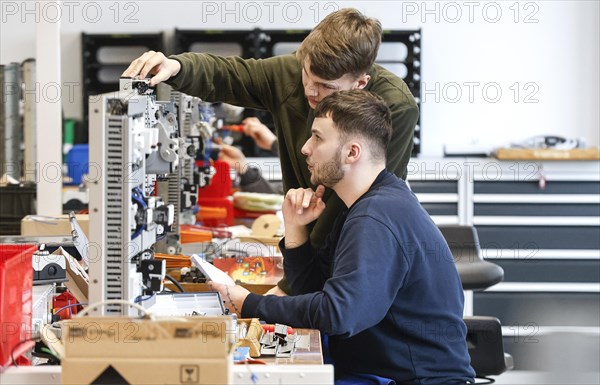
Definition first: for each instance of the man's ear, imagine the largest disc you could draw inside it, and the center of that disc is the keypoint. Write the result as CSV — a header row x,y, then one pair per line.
x,y
353,152
362,81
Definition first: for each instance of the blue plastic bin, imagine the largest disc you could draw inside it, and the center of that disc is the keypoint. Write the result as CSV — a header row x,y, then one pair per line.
x,y
77,163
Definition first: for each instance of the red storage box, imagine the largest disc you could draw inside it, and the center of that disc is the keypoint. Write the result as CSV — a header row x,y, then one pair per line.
x,y
16,279
220,184
220,219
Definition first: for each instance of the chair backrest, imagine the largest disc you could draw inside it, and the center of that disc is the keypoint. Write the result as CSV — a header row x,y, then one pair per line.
x,y
484,339
484,334
475,273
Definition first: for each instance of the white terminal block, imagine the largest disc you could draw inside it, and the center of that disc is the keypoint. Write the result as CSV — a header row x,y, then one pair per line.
x,y
132,212
149,216
171,214
153,136
147,140
281,329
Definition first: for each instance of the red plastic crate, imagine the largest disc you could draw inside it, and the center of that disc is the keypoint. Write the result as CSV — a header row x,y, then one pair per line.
x,y
16,279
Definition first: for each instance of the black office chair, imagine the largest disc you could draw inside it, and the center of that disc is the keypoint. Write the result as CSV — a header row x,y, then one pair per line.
x,y
484,334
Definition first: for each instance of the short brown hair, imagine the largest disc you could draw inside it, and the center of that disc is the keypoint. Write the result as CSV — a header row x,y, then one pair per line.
x,y
345,42
359,113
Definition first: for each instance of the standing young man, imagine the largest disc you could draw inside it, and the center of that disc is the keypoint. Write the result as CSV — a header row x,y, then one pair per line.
x,y
384,287
337,55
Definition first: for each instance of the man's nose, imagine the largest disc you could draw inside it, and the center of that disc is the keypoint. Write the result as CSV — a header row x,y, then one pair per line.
x,y
311,88
304,149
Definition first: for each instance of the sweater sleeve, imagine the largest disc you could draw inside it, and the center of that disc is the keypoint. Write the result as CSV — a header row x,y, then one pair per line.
x,y
244,82
305,268
369,270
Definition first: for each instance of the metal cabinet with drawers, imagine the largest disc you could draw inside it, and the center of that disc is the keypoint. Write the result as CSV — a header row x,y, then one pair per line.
x,y
540,221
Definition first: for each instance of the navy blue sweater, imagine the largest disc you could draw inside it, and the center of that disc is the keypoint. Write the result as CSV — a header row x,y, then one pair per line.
x,y
385,289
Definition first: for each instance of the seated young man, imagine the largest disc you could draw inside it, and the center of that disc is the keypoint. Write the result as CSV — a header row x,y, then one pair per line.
x,y
384,287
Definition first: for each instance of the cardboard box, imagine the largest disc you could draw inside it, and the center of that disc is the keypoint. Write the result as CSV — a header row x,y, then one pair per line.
x,y
147,371
41,225
78,281
250,335
123,350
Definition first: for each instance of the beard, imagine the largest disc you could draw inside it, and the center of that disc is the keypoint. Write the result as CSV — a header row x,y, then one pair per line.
x,y
328,173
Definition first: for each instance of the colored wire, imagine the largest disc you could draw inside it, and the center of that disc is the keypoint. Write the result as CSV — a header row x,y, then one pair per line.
x,y
138,196
12,352
69,306
46,351
140,298
175,282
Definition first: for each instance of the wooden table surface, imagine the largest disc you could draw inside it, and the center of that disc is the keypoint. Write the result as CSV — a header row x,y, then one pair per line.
x,y
203,287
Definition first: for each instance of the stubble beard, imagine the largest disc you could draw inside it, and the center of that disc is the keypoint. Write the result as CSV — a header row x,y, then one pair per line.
x,y
328,173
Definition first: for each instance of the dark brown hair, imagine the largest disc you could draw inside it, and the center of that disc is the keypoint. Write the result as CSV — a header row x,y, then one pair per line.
x,y
344,42
359,113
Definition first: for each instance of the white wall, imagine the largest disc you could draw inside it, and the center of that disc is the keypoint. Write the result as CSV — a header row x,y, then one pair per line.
x,y
541,55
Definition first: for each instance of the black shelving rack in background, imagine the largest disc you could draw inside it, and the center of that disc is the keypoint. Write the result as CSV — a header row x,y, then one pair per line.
x,y
407,67
105,57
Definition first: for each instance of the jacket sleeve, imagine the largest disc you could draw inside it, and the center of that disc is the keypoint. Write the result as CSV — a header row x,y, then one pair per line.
x,y
369,270
404,119
244,82
405,114
253,181
306,269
